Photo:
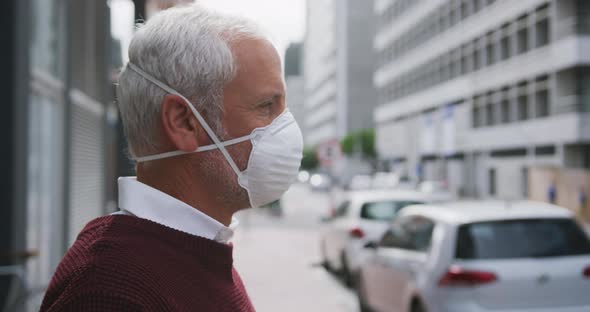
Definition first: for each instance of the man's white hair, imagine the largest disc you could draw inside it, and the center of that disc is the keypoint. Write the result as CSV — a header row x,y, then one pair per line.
x,y
189,49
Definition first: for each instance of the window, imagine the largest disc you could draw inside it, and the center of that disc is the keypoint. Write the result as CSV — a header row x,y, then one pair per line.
x,y
492,181
455,68
475,6
465,68
342,210
583,9
523,107
444,19
584,88
420,230
476,117
490,114
454,16
505,48
522,35
529,238
384,210
525,181
413,233
491,54
46,37
445,70
542,29
395,238
505,111
548,150
477,61
464,10
542,101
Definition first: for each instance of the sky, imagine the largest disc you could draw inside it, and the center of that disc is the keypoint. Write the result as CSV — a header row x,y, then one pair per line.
x,y
283,20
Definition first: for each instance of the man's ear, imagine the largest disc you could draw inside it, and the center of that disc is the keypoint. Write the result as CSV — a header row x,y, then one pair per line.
x,y
179,124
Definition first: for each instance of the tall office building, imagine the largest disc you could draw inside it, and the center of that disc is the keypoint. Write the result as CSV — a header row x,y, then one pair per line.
x,y
479,92
294,82
338,63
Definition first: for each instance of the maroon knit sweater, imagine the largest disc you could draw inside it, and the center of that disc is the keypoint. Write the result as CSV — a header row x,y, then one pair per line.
x,y
124,263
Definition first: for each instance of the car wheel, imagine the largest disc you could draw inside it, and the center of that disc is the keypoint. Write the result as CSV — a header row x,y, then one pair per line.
x,y
325,261
363,305
345,271
417,306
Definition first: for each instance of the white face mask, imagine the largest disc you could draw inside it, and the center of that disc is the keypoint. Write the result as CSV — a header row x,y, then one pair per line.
x,y
276,154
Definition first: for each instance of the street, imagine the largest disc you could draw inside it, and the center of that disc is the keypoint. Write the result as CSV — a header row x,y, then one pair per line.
x,y
279,260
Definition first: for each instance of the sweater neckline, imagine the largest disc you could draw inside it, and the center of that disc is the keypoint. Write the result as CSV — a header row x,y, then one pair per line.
x,y
215,253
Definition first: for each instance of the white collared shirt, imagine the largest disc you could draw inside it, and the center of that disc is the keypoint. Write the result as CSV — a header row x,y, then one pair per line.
x,y
145,202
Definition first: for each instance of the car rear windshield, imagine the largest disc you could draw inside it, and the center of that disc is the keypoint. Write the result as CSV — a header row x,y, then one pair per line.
x,y
535,238
384,210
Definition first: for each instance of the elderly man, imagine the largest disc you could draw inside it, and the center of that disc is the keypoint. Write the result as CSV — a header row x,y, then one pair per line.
x,y
202,101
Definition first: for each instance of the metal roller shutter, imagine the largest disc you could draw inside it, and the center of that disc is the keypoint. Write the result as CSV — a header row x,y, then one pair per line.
x,y
88,163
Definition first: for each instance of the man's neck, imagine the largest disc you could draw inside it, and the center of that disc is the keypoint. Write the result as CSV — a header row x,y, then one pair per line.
x,y
191,193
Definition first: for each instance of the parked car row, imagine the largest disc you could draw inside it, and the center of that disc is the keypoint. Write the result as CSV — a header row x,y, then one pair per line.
x,y
361,216
459,256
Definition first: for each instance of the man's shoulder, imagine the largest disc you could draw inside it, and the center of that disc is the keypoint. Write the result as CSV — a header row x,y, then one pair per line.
x,y
102,260
94,286
110,241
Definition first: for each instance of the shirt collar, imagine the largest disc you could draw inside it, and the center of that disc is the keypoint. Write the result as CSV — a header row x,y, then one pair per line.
x,y
149,203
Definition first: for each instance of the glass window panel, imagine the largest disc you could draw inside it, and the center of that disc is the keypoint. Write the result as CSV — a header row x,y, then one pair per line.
x,y
46,40
540,238
523,107
543,35
523,40
542,101
584,89
384,210
490,115
505,109
583,9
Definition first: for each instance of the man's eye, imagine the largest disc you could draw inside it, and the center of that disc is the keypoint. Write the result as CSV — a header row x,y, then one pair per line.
x,y
266,104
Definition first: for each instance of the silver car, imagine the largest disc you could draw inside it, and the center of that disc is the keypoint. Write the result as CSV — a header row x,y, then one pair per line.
x,y
476,257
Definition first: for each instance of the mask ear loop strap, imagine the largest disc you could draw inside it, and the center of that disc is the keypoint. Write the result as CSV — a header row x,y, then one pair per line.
x,y
195,112
200,149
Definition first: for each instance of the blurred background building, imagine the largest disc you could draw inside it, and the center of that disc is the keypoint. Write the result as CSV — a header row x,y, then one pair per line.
x,y
294,82
337,67
58,128
479,93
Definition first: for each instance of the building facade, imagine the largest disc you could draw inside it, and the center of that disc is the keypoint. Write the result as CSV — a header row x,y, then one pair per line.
x,y
478,92
294,82
60,136
338,63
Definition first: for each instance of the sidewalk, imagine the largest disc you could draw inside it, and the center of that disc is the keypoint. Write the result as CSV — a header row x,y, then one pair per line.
x,y
280,269
278,260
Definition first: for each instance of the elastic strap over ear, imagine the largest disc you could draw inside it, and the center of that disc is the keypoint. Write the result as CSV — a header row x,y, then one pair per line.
x,y
200,118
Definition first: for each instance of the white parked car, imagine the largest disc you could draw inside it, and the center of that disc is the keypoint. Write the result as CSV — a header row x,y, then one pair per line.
x,y
385,180
361,182
479,256
436,189
361,217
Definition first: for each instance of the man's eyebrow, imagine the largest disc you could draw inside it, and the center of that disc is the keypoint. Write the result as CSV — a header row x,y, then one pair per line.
x,y
271,97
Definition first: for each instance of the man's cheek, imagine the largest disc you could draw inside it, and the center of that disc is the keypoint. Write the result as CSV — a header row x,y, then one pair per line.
x,y
241,155
245,156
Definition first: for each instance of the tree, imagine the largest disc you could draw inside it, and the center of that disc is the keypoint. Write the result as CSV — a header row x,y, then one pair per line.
x,y
310,159
360,142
